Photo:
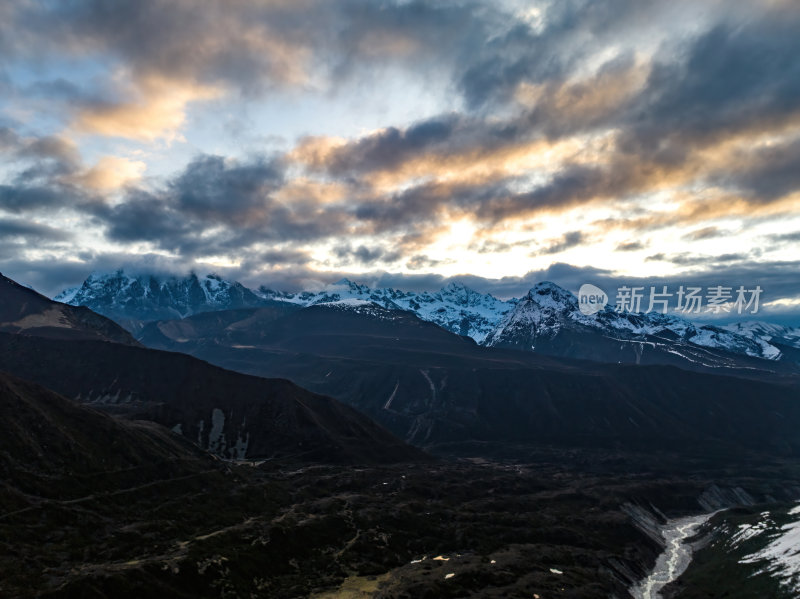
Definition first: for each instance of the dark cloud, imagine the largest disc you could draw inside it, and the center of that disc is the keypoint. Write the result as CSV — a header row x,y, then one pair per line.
x,y
689,259
250,46
217,206
705,233
30,231
146,217
42,158
767,174
571,31
571,185
569,240
630,246
18,200
735,77
420,261
389,148
279,257
366,255
786,237
232,193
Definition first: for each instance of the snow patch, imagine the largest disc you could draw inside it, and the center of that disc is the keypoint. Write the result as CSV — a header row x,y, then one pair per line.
x,y
388,403
782,554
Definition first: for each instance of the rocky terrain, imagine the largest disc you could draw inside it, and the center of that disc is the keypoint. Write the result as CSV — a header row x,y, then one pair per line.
x,y
96,507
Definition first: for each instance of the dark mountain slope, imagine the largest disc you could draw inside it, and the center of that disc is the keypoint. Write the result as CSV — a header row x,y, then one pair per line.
x,y
232,415
434,388
24,311
51,446
228,413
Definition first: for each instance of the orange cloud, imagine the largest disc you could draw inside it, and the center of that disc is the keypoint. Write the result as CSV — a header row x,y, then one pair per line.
x,y
157,110
110,173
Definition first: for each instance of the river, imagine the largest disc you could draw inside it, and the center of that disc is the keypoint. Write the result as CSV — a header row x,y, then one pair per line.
x,y
675,558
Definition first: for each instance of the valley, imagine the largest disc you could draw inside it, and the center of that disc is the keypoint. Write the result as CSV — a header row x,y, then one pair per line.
x,y
456,470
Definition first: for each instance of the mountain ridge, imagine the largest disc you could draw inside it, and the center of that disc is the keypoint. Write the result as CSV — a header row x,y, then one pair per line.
x,y
546,310
26,312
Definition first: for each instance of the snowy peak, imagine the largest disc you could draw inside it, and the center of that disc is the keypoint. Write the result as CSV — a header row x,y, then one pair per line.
x,y
548,310
542,313
348,286
131,299
766,332
66,296
139,297
550,296
361,307
459,294
455,307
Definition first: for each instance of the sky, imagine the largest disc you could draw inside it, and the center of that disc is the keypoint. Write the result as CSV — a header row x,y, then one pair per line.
x,y
290,143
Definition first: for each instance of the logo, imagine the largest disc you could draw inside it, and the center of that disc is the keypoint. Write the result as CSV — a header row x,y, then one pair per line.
x,y
591,299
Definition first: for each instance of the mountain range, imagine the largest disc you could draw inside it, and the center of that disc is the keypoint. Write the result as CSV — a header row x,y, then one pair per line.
x,y
445,393
94,361
546,320
130,299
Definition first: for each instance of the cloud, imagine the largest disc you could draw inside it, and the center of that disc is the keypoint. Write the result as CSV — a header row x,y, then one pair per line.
x,y
161,56
705,233
569,240
384,150
30,231
153,108
217,206
111,173
366,255
630,246
41,158
19,200
782,237
736,77
768,173
689,259
145,217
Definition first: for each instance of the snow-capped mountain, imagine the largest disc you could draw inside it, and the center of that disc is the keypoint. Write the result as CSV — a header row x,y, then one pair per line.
x,y
455,307
548,319
128,298
767,332
132,299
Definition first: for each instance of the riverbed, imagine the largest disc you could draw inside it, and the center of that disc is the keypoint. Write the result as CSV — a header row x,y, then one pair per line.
x,y
675,558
